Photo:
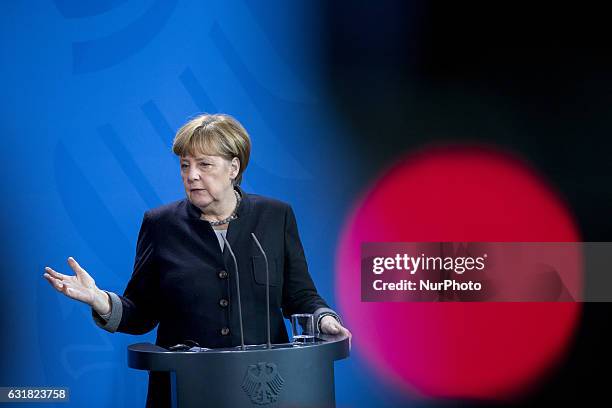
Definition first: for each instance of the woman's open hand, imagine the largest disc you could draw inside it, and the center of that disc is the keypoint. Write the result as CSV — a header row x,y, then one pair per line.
x,y
80,286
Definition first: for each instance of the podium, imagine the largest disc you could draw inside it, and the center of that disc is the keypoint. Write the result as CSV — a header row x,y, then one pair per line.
x,y
287,375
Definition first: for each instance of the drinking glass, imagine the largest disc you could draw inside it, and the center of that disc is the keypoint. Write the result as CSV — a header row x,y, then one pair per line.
x,y
302,326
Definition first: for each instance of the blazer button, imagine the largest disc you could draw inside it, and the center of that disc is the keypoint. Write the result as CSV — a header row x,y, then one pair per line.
x,y
223,303
225,331
223,275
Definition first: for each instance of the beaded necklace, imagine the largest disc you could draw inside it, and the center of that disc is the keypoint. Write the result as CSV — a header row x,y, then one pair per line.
x,y
231,217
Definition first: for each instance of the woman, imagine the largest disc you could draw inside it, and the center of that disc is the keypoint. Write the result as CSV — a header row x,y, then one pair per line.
x,y
183,274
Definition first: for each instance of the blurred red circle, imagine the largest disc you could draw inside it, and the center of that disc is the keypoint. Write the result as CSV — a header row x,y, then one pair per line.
x,y
461,350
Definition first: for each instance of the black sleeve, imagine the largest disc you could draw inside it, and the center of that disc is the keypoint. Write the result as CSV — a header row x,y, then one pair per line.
x,y
140,300
299,292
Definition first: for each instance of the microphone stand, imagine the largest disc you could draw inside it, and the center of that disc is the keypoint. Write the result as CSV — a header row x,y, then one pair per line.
x,y
267,286
229,248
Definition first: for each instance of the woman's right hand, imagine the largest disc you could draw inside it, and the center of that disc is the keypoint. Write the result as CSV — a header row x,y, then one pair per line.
x,y
81,287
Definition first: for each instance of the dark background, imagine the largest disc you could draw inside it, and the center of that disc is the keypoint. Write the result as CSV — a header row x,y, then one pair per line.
x,y
535,79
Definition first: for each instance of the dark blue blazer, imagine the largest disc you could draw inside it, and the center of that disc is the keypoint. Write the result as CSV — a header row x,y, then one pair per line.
x,y
185,283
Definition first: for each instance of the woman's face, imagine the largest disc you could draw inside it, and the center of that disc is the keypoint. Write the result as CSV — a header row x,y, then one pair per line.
x,y
207,179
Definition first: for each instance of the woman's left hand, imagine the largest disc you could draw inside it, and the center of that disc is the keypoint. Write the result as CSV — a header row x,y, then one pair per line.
x,y
329,325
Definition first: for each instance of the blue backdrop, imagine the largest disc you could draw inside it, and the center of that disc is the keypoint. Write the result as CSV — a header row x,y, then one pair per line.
x,y
93,93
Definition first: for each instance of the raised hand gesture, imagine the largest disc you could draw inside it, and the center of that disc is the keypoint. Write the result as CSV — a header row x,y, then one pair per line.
x,y
81,286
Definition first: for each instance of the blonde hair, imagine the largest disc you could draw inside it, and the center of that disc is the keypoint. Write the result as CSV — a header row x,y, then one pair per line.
x,y
214,135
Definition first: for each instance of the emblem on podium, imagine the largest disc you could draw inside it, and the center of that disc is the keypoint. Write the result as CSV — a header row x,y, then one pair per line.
x,y
262,383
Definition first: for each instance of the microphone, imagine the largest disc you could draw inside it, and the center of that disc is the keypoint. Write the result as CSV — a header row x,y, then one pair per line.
x,y
267,286
229,248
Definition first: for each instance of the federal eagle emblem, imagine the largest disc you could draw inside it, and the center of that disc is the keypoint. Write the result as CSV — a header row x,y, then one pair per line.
x,y
262,383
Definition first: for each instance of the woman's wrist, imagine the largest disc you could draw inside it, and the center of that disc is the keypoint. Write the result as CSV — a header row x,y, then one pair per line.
x,y
101,303
323,316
